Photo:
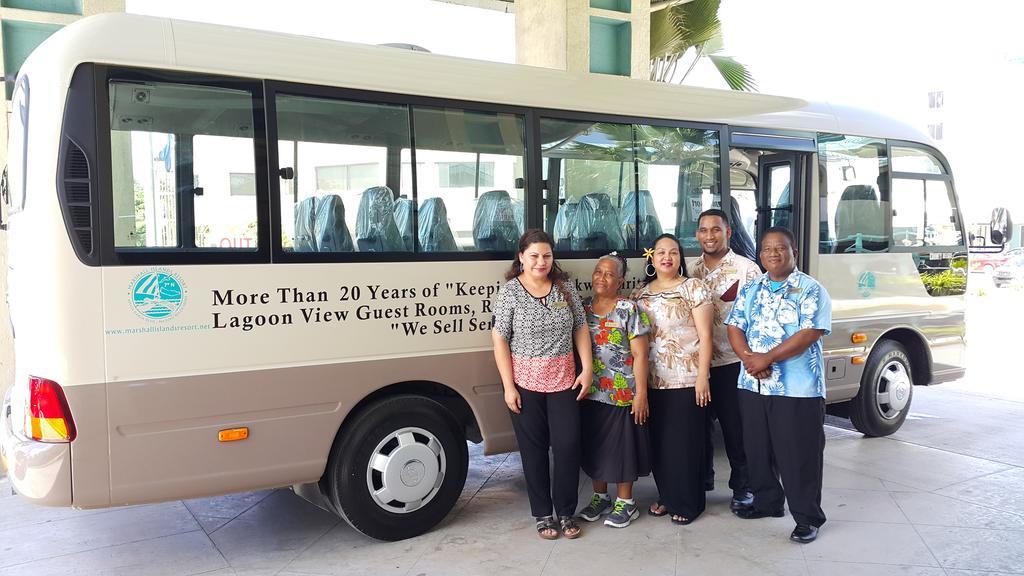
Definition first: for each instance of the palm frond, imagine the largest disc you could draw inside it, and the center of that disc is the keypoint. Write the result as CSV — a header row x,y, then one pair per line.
x,y
665,34
697,21
693,24
735,74
715,44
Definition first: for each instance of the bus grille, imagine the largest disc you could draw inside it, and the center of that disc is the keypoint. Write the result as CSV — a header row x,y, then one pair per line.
x,y
77,166
78,196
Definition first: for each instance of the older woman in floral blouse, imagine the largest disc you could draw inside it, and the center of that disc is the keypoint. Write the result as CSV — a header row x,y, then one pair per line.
x,y
615,440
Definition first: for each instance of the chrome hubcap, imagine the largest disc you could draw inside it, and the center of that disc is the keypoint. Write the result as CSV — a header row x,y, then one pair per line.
x,y
893,390
405,470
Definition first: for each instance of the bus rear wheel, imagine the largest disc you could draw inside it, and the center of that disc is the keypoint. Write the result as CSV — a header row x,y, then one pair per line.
x,y
886,389
398,468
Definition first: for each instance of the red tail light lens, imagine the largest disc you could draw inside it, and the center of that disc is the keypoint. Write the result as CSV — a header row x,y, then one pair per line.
x,y
49,419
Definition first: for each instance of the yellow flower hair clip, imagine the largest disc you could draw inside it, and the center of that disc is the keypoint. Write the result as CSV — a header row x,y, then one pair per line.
x,y
649,268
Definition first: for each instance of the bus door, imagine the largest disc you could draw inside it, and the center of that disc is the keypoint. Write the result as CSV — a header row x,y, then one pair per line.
x,y
776,191
769,186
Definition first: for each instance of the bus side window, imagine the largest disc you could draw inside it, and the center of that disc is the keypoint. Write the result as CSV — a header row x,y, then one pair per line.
x,y
183,166
854,199
469,182
680,167
596,168
626,183
351,160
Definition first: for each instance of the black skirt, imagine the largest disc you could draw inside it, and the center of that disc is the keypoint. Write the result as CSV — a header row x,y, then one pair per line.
x,y
615,448
677,445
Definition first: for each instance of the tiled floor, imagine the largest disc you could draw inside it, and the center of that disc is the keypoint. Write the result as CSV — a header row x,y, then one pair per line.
x,y
934,500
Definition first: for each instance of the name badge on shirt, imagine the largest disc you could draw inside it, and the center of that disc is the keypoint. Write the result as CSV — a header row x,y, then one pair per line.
x,y
795,290
559,305
729,271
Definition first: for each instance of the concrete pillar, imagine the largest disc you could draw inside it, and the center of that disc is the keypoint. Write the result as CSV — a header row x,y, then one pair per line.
x,y
601,36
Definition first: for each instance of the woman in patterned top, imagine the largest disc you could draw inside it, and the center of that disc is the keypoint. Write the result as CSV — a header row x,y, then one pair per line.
x,y
615,442
538,319
680,311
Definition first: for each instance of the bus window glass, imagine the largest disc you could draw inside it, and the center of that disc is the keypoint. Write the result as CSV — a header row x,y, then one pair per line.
x,y
780,200
923,214
344,166
743,212
596,174
648,179
468,166
143,176
940,227
678,170
854,199
915,160
17,151
908,212
174,148
225,212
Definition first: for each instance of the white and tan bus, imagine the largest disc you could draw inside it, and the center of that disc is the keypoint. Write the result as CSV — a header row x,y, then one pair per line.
x,y
241,259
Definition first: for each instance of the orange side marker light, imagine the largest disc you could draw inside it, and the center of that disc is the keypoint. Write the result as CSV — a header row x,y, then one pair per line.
x,y
233,434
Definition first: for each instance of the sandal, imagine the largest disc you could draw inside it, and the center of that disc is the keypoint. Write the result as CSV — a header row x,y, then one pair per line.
x,y
570,529
654,510
680,520
547,528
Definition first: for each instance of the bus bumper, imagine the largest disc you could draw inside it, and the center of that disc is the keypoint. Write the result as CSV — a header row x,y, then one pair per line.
x,y
38,471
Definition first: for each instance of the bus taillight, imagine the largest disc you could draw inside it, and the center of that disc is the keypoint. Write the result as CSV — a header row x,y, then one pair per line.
x,y
48,417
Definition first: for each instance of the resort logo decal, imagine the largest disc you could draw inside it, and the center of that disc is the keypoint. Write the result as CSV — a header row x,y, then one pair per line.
x,y
157,294
866,284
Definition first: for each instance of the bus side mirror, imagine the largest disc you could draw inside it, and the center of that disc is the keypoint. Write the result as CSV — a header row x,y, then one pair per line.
x,y
1001,227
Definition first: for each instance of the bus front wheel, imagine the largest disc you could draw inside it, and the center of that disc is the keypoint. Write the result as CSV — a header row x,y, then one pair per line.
x,y
886,388
398,468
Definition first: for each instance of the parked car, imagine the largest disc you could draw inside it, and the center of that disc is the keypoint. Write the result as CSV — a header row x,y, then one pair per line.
x,y
988,262
1011,272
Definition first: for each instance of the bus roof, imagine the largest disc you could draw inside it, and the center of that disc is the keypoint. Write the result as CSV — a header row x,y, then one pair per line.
x,y
149,42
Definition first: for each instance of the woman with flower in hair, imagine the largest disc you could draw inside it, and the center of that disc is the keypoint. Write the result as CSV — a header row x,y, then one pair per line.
x,y
615,443
681,314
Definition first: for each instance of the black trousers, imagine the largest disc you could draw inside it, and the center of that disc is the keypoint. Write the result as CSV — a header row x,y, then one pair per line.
x,y
785,437
725,406
549,420
677,449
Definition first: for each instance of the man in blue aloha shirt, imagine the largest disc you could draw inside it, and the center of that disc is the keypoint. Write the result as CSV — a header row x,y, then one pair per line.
x,y
775,328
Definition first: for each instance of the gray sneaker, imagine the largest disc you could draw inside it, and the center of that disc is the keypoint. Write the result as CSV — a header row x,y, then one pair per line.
x,y
622,514
596,508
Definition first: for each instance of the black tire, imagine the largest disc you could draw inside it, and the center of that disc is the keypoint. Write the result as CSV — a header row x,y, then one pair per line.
x,y
407,424
886,390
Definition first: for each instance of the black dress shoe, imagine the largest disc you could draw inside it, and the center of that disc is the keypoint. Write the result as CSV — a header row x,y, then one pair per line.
x,y
751,513
741,500
804,533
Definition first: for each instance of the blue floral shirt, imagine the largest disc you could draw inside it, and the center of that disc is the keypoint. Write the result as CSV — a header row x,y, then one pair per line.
x,y
768,317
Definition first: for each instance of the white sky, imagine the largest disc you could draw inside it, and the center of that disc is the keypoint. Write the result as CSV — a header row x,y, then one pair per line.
x,y
883,55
